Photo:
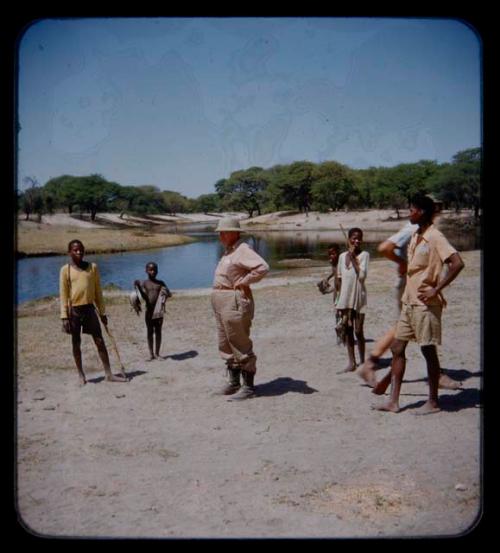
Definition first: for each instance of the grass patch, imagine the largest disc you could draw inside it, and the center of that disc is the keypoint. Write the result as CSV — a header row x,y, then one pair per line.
x,y
46,240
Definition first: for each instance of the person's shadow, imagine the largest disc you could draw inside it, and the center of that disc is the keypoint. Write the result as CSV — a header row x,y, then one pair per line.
x,y
283,385
459,375
182,356
130,374
470,398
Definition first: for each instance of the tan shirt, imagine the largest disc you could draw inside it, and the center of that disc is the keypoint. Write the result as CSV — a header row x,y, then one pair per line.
x,y
85,288
239,265
425,263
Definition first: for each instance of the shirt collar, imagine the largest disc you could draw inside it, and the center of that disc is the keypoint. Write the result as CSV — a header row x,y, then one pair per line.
x,y
231,249
425,234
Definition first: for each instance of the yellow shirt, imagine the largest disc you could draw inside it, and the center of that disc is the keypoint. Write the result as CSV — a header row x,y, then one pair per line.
x,y
425,263
85,288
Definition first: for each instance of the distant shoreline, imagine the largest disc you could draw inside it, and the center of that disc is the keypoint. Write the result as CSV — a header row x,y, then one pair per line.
x,y
110,233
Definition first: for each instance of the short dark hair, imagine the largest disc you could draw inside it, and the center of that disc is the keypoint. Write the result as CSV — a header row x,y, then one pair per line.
x,y
426,204
76,241
353,230
334,246
151,263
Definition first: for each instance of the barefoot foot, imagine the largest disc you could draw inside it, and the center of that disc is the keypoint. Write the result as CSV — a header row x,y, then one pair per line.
x,y
447,383
348,369
389,406
427,409
116,378
367,373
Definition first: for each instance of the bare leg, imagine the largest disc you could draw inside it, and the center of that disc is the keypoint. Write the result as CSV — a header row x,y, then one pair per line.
x,y
158,340
150,341
367,370
360,338
384,343
77,355
380,387
433,370
447,383
103,354
351,365
398,367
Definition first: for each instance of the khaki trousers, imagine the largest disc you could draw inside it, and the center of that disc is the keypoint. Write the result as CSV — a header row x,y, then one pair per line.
x,y
233,315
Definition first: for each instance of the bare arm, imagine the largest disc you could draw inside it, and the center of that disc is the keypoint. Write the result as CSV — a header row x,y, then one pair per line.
x,y
455,265
138,285
351,258
387,249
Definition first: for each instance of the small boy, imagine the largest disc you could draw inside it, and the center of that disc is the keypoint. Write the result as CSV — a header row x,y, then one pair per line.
x,y
324,285
155,293
351,301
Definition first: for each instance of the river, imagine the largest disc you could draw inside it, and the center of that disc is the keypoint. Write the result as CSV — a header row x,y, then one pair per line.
x,y
192,265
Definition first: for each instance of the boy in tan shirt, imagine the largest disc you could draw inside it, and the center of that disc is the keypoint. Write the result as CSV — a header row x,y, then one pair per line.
x,y
422,302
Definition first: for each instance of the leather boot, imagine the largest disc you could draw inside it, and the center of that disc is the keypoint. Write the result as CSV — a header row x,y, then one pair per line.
x,y
233,384
247,390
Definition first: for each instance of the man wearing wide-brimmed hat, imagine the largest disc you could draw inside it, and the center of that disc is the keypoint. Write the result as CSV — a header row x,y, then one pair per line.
x,y
233,306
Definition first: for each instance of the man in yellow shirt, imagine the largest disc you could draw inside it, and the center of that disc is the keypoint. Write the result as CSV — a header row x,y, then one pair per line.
x,y
80,289
422,301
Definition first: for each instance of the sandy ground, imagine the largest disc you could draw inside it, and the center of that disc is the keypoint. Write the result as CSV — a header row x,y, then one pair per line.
x,y
161,456
66,220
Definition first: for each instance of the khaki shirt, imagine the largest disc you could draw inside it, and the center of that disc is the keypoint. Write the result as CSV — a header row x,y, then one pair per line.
x,y
239,265
425,263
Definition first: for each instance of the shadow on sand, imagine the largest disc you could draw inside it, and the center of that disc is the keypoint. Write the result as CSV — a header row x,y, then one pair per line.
x,y
470,398
283,385
459,375
131,375
182,356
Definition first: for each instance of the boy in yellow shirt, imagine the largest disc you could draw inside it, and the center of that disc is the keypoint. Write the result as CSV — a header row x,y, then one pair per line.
x,y
80,289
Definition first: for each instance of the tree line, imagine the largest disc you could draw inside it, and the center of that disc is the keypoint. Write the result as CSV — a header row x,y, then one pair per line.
x,y
301,185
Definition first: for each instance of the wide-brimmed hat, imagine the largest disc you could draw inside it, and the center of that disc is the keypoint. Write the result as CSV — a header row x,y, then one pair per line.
x,y
228,224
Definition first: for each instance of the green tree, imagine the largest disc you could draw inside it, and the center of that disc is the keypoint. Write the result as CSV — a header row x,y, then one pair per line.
x,y
64,191
458,183
31,199
149,200
207,203
295,183
244,190
94,193
175,202
333,185
273,199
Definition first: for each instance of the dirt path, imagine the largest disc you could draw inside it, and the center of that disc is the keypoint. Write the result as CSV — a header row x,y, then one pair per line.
x,y
162,457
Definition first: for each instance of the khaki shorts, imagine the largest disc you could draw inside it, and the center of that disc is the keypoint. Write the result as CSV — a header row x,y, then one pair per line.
x,y
421,324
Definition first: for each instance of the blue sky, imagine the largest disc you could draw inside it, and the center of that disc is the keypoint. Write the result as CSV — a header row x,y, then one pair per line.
x,y
182,102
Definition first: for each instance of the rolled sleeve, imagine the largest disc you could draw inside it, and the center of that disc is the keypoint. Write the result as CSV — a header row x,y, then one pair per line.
x,y
363,266
256,268
98,297
63,292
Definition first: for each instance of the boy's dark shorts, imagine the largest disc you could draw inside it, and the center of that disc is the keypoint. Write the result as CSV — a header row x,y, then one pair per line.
x,y
154,323
84,319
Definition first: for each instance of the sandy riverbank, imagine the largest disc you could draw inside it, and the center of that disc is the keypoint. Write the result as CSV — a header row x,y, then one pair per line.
x,y
40,240
110,233
162,457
